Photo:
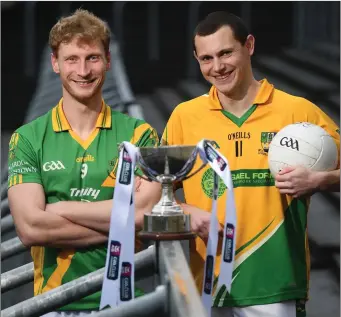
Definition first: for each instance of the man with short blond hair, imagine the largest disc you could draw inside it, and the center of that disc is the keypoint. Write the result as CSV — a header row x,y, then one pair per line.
x,y
62,166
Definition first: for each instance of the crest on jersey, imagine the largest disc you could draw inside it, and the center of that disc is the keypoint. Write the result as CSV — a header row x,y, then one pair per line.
x,y
111,179
13,143
265,139
154,138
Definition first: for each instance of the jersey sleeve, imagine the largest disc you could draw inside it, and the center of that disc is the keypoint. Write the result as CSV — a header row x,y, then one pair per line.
x,y
144,135
22,162
172,135
316,116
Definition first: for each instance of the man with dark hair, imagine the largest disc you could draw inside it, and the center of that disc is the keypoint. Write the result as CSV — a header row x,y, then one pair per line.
x,y
241,114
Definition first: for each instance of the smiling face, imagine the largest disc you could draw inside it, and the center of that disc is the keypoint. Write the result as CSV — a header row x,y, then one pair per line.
x,y
81,66
224,61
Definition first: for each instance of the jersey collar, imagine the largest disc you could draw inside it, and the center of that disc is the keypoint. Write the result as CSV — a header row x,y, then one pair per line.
x,y
60,123
262,97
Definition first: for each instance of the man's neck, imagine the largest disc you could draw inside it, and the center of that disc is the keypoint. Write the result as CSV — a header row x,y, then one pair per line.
x,y
81,116
240,101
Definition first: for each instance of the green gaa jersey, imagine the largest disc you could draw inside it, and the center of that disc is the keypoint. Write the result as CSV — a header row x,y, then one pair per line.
x,y
47,151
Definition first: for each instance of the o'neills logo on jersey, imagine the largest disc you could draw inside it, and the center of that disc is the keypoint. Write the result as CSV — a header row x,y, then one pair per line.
x,y
83,159
85,192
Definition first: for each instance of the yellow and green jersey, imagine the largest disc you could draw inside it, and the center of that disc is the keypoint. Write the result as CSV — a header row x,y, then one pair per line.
x,y
272,255
47,151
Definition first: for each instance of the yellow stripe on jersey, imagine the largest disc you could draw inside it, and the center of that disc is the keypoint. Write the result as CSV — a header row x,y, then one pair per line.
x,y
248,245
61,115
63,263
38,259
60,122
55,124
104,118
103,121
15,179
138,132
240,258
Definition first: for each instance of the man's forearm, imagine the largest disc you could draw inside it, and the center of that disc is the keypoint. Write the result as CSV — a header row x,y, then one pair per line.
x,y
97,215
93,215
47,229
329,181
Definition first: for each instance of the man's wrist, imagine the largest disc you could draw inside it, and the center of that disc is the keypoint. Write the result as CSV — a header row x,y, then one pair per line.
x,y
325,179
64,208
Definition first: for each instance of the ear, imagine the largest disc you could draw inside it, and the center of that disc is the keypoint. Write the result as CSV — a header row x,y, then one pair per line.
x,y
250,44
54,62
108,57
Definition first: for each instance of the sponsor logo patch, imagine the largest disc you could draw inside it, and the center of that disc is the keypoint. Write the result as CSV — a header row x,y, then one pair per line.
x,y
53,165
84,192
125,176
229,238
84,159
213,155
126,289
114,260
209,275
290,143
240,178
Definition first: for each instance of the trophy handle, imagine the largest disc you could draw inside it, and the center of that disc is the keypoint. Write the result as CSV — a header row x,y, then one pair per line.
x,y
198,170
146,178
181,176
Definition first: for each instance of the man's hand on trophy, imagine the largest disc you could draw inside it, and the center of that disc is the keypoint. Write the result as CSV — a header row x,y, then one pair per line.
x,y
200,220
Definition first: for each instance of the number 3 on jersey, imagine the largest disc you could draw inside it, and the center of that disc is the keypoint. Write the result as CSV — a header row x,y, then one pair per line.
x,y
84,170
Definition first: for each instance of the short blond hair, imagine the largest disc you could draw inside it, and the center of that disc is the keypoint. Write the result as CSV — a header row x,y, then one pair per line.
x,y
81,24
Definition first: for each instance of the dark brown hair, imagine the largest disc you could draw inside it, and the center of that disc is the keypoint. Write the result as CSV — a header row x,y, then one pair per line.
x,y
216,20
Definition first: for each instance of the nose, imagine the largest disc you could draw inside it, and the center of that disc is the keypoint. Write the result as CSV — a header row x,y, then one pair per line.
x,y
217,65
83,69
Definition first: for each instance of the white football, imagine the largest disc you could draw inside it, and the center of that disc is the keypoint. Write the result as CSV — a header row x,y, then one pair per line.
x,y
302,144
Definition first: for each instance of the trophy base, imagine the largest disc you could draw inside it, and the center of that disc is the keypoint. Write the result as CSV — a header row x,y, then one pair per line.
x,y
167,227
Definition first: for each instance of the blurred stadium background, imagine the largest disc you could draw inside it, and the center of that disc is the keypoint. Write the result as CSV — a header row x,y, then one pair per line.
x,y
297,49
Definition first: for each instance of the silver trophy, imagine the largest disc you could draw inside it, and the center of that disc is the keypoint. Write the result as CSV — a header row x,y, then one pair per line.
x,y
167,165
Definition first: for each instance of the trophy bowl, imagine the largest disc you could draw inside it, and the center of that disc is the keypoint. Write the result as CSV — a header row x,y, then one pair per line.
x,y
167,160
167,165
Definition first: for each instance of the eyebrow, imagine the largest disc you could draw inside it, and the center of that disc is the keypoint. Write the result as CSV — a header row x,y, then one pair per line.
x,y
227,49
87,56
